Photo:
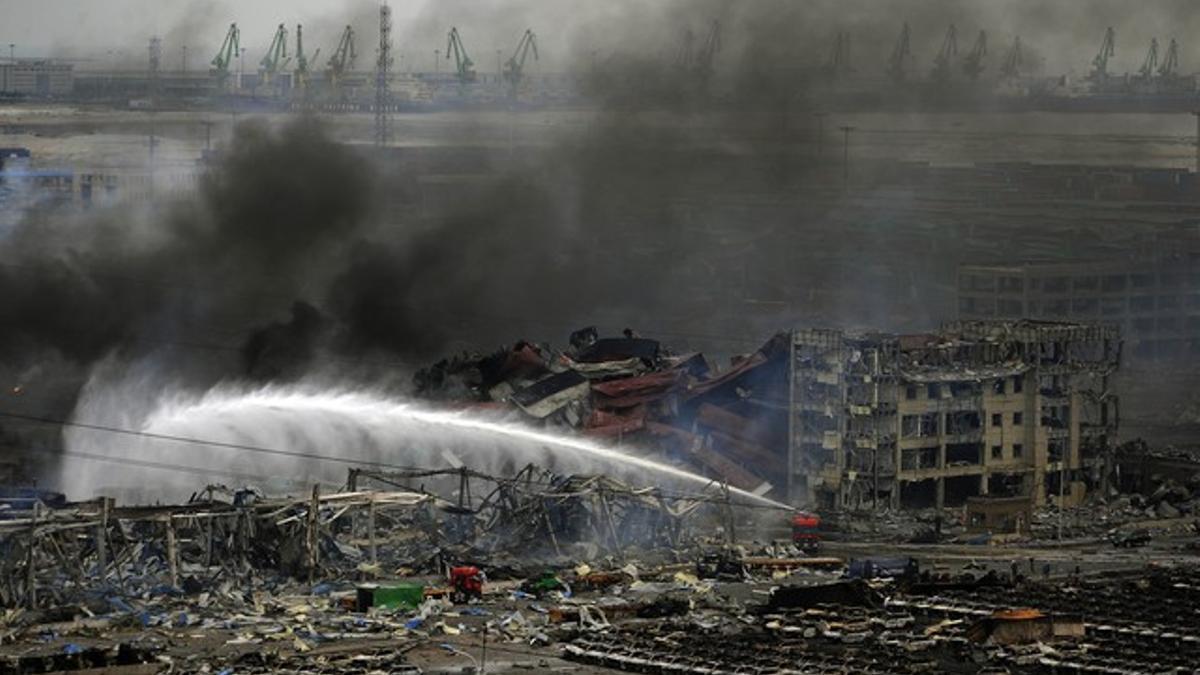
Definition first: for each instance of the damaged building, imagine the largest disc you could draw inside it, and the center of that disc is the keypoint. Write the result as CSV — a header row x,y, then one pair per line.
x,y
1021,408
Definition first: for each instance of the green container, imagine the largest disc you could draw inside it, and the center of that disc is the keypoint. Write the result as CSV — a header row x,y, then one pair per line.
x,y
394,596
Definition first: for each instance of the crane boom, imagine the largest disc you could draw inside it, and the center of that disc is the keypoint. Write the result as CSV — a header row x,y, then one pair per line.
x,y
839,56
1170,62
343,57
514,68
276,58
302,59
901,55
703,64
1013,61
462,63
1150,65
949,50
1107,50
225,55
973,65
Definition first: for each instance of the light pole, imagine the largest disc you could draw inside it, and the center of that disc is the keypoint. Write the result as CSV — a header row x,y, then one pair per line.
x,y
437,62
846,155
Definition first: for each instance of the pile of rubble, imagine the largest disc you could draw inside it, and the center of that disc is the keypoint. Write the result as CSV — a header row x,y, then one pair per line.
x,y
633,390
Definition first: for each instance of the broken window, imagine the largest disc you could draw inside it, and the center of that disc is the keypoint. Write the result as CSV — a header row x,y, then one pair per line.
x,y
997,419
1112,306
933,391
1141,303
1011,285
1018,450
1018,419
998,386
1085,306
997,451
962,422
1114,282
958,454
918,426
910,392
1018,383
1055,285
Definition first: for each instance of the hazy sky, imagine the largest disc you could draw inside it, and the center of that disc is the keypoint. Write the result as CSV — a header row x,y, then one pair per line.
x,y
1065,32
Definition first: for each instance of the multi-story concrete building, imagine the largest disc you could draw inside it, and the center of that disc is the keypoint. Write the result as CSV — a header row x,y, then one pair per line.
x,y
977,408
1156,303
36,77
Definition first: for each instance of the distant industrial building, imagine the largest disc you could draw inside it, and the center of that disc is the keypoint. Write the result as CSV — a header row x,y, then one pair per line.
x,y
36,77
977,408
1156,303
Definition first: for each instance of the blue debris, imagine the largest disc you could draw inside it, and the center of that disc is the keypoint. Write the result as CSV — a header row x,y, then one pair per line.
x,y
71,648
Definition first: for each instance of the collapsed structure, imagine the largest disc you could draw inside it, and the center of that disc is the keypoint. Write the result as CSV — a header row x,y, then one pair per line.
x,y
833,419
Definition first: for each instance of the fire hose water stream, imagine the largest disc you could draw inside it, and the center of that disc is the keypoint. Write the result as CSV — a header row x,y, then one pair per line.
x,y
294,434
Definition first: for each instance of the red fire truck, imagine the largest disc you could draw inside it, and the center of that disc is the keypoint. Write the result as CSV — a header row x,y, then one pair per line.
x,y
806,531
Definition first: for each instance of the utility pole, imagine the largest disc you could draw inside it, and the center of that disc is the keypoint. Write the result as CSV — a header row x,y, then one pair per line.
x,y
846,155
383,65
437,60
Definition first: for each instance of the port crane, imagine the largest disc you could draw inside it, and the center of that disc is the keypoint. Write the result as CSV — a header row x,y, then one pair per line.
x,y
276,58
1013,61
703,62
973,65
462,63
302,58
514,68
343,57
1107,50
949,50
839,56
230,48
901,55
1170,62
1150,65
683,59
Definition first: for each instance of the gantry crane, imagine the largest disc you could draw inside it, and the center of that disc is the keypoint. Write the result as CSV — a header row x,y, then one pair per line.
x,y
1013,61
343,58
514,68
229,50
302,58
462,63
946,55
1170,62
973,64
839,56
901,55
1150,65
276,58
1107,50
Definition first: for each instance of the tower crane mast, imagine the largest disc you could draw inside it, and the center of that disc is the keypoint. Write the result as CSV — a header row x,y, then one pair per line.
x,y
901,55
343,57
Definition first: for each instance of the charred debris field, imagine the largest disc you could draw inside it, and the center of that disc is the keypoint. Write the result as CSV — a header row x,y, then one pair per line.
x,y
680,337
